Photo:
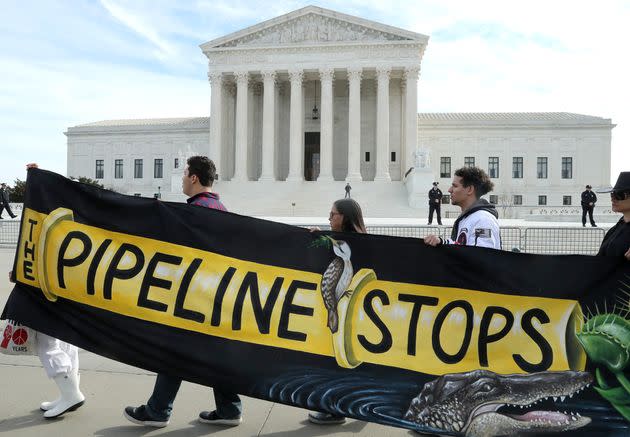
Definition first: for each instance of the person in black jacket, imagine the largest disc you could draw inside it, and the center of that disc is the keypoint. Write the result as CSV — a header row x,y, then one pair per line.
x,y
617,240
435,201
588,205
4,201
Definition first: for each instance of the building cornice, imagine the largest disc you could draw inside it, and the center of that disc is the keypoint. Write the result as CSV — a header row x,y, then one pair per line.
x,y
426,121
395,54
142,126
512,120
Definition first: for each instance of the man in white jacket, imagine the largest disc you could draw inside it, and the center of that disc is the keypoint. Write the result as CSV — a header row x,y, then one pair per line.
x,y
477,225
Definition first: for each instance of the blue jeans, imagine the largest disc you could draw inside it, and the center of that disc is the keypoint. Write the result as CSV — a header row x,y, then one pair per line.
x,y
160,404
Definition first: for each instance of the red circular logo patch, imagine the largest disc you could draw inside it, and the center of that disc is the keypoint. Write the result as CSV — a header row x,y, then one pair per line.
x,y
20,336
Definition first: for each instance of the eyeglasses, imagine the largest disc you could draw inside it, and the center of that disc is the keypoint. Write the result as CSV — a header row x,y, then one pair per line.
x,y
619,195
332,214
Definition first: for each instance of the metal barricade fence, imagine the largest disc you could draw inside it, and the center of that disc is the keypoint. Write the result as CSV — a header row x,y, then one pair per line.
x,y
9,232
557,241
550,241
511,238
405,231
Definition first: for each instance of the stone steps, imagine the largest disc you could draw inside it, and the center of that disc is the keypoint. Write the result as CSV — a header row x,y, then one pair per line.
x,y
312,199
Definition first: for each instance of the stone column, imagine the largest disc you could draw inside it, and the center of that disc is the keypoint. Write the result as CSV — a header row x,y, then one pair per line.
x,y
296,152
354,124
216,110
411,113
326,76
240,147
382,125
269,124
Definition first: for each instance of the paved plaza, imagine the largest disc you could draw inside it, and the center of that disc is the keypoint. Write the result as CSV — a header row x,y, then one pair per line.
x,y
109,386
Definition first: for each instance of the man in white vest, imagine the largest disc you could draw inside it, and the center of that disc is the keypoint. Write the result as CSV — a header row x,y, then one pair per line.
x,y
477,225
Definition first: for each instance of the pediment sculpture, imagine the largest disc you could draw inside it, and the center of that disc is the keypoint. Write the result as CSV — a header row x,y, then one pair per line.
x,y
313,28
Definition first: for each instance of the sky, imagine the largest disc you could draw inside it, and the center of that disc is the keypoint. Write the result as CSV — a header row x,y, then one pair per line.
x,y
69,62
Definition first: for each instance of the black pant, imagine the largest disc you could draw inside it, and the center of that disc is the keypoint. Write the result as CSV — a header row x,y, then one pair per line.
x,y
6,206
347,194
160,404
435,207
589,209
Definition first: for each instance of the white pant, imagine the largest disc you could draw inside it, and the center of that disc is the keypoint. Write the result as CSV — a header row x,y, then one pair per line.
x,y
57,357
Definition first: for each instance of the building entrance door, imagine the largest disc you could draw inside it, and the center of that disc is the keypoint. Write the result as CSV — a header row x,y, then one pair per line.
x,y
311,156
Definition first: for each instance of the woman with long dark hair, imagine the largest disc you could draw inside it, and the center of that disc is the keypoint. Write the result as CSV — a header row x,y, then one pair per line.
x,y
345,216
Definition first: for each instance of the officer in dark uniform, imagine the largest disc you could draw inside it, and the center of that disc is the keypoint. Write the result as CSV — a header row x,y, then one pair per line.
x,y
588,204
435,201
348,188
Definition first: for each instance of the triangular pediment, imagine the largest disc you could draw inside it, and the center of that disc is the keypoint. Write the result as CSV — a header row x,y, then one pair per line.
x,y
313,25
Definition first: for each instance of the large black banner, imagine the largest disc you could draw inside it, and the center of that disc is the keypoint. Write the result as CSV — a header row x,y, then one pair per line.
x,y
450,340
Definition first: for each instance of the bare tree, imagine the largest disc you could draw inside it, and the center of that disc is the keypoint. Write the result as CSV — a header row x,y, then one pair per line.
x,y
506,203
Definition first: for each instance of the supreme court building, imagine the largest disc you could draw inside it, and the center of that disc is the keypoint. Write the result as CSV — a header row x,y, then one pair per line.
x,y
304,103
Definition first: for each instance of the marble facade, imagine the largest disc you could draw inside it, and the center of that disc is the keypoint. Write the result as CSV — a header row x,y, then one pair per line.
x,y
268,79
274,157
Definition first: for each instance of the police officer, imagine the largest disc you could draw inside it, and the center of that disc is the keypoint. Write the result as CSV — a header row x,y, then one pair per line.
x,y
435,201
588,204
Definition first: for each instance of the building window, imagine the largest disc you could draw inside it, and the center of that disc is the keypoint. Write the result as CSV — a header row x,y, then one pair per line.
x,y
542,200
367,156
494,199
157,168
137,168
393,156
469,161
517,199
445,167
541,167
567,167
517,167
446,199
176,163
493,166
98,174
566,200
118,169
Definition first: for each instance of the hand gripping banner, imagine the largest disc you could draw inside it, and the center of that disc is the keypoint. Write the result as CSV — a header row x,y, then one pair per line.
x,y
452,340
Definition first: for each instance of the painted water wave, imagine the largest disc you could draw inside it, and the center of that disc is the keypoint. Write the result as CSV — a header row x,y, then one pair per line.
x,y
358,396
363,397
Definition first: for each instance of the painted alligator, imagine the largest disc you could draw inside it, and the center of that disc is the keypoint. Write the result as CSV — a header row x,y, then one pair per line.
x,y
468,403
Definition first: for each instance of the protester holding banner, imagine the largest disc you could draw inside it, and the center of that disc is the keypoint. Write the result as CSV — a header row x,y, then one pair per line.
x,y
477,225
617,240
61,363
197,181
345,216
